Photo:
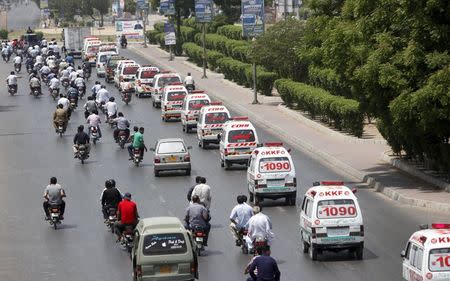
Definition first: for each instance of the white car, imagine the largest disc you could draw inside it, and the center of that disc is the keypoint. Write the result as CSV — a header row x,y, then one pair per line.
x,y
102,58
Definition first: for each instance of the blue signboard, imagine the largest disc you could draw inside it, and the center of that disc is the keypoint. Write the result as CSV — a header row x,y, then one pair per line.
x,y
252,18
203,10
169,34
167,7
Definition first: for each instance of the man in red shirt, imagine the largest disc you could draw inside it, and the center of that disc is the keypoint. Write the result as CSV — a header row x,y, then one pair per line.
x,y
127,215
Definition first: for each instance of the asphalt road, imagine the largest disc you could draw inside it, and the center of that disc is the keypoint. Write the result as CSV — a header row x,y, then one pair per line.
x,y
82,249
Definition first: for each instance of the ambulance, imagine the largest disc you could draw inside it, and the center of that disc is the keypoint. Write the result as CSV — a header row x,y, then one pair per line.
x,y
271,174
159,82
237,141
210,123
191,108
172,100
127,77
144,80
427,254
118,70
330,219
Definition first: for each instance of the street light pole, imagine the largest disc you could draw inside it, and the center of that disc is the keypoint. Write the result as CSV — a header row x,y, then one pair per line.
x,y
204,51
285,9
255,92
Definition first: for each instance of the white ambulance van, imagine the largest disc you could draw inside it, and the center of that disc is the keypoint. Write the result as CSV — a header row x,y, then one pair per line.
x,y
427,254
271,174
172,101
144,80
331,219
159,82
191,108
238,139
210,122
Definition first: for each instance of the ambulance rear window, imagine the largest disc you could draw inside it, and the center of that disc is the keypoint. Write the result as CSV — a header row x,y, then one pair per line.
x,y
148,74
439,259
274,164
174,96
167,80
238,136
197,104
336,208
216,118
130,70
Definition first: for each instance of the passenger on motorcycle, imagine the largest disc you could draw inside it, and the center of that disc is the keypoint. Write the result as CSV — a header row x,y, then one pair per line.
x,y
127,215
89,107
239,217
94,121
102,95
53,195
138,143
198,216
122,125
203,191
18,61
111,108
79,82
60,115
110,198
259,225
11,81
54,84
97,86
131,140
191,189
81,138
63,101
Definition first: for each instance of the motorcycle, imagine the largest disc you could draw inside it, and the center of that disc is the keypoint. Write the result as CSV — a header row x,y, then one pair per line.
x,y
55,93
82,153
17,67
112,218
123,44
126,97
127,239
259,244
55,216
242,242
122,139
136,156
12,90
60,129
190,88
81,91
36,92
94,134
199,236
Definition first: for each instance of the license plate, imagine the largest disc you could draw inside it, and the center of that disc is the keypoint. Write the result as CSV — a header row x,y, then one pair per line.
x,y
165,269
55,215
338,231
275,183
199,239
171,159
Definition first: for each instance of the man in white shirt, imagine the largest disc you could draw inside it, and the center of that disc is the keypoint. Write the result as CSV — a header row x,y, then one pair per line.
x,y
203,191
72,76
94,121
111,108
18,60
11,80
102,95
259,226
35,84
189,82
239,217
79,81
54,84
64,101
97,86
39,59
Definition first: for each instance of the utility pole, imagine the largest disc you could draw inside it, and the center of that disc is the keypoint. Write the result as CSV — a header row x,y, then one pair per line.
x,y
204,51
144,23
255,92
285,9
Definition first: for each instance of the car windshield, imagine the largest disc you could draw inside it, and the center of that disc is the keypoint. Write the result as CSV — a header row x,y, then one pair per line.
x,y
148,74
197,104
175,96
439,260
164,244
168,80
336,208
216,118
103,58
238,136
130,70
274,165
171,147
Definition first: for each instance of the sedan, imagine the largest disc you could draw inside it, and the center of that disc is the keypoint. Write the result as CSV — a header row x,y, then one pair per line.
x,y
170,155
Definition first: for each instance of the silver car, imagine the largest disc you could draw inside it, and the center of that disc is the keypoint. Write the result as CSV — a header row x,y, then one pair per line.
x,y
170,155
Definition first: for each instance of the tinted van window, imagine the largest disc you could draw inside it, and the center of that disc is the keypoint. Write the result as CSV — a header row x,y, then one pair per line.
x,y
164,244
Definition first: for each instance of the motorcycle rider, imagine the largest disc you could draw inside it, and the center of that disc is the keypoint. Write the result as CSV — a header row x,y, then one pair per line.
x,y
198,216
189,194
259,225
18,62
138,143
131,138
53,195
11,81
5,54
72,76
79,82
69,59
111,109
189,82
60,115
97,86
263,267
45,71
89,107
110,198
29,63
127,215
54,85
80,71
63,101
81,138
203,191
72,94
102,95
35,83
94,121
239,217
122,125
123,41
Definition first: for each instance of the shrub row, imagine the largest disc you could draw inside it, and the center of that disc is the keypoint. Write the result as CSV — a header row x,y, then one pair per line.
x,y
157,37
151,36
342,113
237,49
159,26
231,31
195,54
212,27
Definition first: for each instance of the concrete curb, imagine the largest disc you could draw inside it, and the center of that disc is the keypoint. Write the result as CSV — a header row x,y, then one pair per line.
x,y
319,155
402,165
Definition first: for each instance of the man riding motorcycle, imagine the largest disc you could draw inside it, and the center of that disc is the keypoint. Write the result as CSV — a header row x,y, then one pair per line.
x,y
102,95
11,81
203,191
89,107
123,41
127,215
60,115
97,86
110,198
138,143
111,108
54,85
259,226
239,217
18,62
81,138
94,121
79,83
122,125
189,82
198,216
64,102
53,195
35,83
72,94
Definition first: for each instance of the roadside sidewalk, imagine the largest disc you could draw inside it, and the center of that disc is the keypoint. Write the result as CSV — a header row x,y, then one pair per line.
x,y
361,160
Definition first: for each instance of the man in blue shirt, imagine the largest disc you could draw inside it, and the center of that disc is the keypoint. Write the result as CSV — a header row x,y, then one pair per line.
x,y
239,217
265,266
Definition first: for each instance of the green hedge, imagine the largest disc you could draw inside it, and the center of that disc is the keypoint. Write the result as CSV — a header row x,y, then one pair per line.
x,y
342,113
151,36
187,34
237,49
231,31
159,26
195,54
212,27
3,34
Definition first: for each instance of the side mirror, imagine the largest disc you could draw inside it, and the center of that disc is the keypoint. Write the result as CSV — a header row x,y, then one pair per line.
x,y
152,149
189,147
403,254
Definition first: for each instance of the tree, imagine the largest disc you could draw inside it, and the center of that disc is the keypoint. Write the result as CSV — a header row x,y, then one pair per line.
x,y
130,6
230,8
99,6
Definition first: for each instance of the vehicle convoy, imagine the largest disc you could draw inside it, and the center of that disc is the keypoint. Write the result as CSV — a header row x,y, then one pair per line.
x,y
164,251
144,80
237,140
191,109
210,122
73,40
331,220
427,254
159,82
172,101
170,155
271,174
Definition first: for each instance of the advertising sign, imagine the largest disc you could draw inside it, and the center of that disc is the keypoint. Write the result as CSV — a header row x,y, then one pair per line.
x,y
252,18
43,4
203,10
115,8
132,29
169,34
167,7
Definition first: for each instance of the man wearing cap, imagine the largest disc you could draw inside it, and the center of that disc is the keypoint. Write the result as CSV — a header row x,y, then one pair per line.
x,y
127,215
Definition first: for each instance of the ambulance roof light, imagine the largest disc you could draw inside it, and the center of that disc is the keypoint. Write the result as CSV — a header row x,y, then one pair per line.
x,y
273,144
215,103
197,92
240,118
440,226
331,183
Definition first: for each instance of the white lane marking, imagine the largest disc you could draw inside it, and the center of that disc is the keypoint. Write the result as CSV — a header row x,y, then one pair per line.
x,y
162,199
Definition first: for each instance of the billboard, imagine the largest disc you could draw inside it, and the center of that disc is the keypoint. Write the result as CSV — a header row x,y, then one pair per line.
x,y
169,34
252,18
167,7
132,29
43,4
203,10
